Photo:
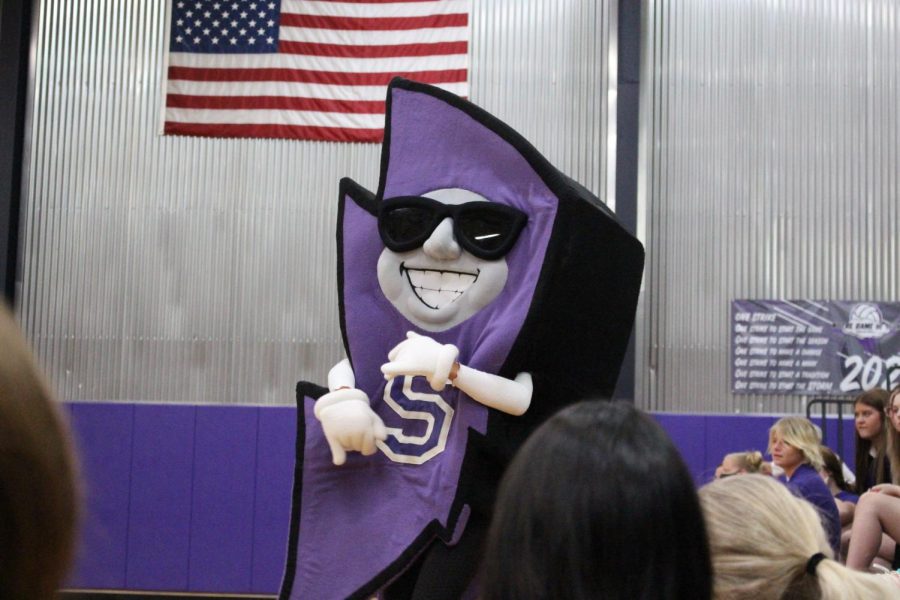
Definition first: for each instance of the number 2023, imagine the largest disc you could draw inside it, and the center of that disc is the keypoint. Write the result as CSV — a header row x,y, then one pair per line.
x,y
865,375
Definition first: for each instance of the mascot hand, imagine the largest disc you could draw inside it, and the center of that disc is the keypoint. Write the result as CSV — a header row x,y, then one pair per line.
x,y
420,355
349,423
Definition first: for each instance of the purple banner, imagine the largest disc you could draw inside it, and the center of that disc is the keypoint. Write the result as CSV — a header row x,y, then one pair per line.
x,y
817,347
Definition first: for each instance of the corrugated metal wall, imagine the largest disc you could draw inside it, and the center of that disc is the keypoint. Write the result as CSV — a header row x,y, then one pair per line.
x,y
769,170
203,271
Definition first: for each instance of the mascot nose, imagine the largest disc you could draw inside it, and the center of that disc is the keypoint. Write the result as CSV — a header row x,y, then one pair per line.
x,y
441,244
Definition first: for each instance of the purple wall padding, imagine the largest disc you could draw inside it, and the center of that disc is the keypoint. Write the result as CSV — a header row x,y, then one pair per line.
x,y
103,435
197,498
732,434
830,432
704,439
221,555
159,526
274,485
690,437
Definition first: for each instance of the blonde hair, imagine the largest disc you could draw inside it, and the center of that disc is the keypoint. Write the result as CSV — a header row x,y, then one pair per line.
x,y
764,552
799,433
38,490
751,461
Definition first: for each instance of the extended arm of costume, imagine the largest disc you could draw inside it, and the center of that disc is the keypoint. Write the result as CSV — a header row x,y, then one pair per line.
x,y
349,423
421,355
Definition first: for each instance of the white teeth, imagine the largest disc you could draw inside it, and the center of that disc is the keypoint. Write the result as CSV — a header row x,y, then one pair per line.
x,y
436,298
428,279
438,288
460,281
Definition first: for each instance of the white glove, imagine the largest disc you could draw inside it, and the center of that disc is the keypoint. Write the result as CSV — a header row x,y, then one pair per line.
x,y
420,355
349,423
341,376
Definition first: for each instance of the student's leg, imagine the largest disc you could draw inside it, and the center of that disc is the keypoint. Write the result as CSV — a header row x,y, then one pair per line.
x,y
875,513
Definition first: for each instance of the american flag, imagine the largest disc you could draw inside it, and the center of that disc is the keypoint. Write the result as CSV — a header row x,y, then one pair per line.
x,y
306,69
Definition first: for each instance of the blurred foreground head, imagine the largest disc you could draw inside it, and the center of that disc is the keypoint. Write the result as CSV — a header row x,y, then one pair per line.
x,y
38,490
597,504
762,538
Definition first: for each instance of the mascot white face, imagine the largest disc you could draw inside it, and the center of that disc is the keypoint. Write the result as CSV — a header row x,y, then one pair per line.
x,y
439,284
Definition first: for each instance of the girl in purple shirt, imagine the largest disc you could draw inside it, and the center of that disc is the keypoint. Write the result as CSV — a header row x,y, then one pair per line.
x,y
794,446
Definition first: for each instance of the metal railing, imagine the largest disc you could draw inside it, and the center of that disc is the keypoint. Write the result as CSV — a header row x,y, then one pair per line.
x,y
835,405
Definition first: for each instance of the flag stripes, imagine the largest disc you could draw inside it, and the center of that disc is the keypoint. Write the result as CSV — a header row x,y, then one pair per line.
x,y
374,36
361,51
253,89
325,134
304,76
306,69
277,103
319,63
369,24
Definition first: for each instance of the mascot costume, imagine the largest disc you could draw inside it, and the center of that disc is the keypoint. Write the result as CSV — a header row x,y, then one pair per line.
x,y
481,290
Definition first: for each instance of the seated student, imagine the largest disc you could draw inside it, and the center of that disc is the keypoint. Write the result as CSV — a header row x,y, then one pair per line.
x,y
38,491
768,544
848,475
893,444
742,463
597,504
885,445
794,446
877,513
872,463
832,474
893,433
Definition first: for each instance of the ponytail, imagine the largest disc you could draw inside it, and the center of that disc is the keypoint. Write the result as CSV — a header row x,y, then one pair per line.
x,y
778,548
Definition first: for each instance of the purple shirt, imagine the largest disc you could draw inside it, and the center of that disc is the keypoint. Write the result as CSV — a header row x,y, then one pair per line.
x,y
807,484
847,497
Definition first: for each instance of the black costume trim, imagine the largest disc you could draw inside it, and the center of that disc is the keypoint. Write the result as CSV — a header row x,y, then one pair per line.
x,y
311,390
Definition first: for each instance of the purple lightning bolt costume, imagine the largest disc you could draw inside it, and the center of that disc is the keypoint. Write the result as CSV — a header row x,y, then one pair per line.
x,y
564,316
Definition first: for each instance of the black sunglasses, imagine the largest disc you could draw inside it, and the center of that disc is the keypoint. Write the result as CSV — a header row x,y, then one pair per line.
x,y
484,229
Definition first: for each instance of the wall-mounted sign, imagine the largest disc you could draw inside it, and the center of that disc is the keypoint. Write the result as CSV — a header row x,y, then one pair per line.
x,y
814,347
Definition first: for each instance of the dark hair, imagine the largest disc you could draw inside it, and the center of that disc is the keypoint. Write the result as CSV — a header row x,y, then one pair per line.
x,y
833,465
597,504
871,471
39,494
